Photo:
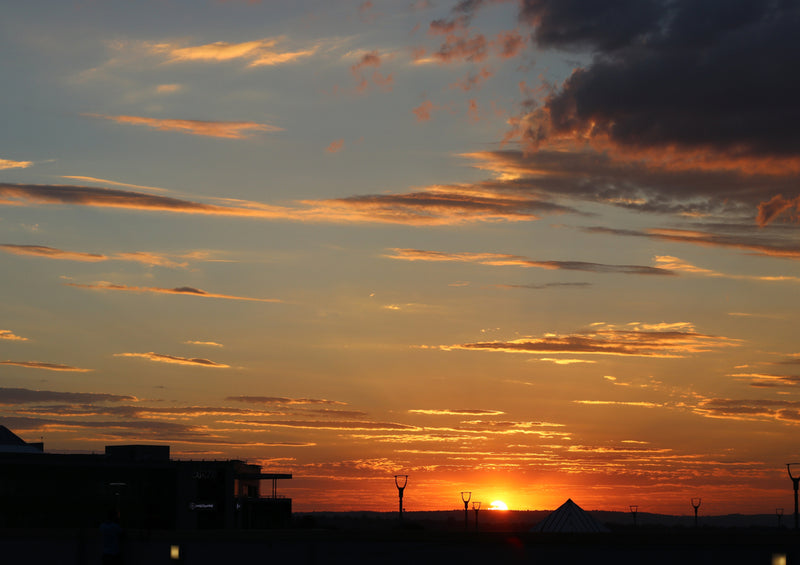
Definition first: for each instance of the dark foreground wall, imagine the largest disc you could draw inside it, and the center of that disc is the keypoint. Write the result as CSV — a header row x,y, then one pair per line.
x,y
402,547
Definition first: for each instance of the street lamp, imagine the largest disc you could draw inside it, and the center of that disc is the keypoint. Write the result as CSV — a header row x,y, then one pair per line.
x,y
476,506
695,505
465,496
634,510
795,481
779,513
400,482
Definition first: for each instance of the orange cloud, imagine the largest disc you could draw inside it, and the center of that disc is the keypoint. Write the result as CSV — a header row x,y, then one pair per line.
x,y
208,343
335,146
436,205
225,130
327,425
259,52
677,265
146,258
777,205
12,396
10,336
183,290
509,44
632,340
450,412
45,366
641,404
51,252
473,80
423,111
161,358
500,259
757,244
8,164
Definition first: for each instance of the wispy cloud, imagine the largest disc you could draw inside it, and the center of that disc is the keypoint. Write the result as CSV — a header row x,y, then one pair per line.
x,y
678,265
206,343
333,425
755,243
144,257
544,286
113,183
558,361
51,253
226,130
162,358
11,396
450,205
750,409
335,146
671,341
9,164
451,412
639,404
183,291
45,366
11,336
768,380
282,400
500,259
258,53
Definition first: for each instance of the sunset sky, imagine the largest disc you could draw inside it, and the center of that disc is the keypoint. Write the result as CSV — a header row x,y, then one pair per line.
x,y
531,249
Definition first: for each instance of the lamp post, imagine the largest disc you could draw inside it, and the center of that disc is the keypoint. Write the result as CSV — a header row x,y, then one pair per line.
x,y
695,505
465,496
476,506
779,513
634,510
398,479
795,481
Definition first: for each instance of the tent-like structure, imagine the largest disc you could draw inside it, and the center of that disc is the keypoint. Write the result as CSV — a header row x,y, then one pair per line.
x,y
569,518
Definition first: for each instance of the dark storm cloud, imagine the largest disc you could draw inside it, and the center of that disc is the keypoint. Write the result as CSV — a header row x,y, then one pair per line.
x,y
692,74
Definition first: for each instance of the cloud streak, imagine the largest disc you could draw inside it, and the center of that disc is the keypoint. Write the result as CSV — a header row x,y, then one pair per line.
x,y
258,53
11,336
438,205
637,340
9,164
225,130
12,396
172,359
46,366
282,400
502,260
180,291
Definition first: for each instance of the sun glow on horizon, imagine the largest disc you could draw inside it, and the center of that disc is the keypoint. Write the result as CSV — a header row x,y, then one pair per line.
x,y
498,505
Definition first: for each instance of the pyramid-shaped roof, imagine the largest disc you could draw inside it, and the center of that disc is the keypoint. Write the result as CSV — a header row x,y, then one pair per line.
x,y
12,443
7,437
569,518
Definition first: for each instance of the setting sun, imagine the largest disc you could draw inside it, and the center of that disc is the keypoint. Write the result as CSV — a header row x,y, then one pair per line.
x,y
498,505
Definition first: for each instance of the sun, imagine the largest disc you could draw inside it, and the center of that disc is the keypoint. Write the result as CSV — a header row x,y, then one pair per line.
x,y
498,505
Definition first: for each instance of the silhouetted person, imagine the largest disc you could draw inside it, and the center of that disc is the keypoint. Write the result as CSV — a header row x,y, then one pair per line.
x,y
111,539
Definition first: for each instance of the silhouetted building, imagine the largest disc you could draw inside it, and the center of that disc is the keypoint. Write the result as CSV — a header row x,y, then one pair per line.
x,y
569,518
141,482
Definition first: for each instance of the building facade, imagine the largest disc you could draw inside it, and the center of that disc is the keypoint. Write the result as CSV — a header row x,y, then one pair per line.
x,y
139,483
